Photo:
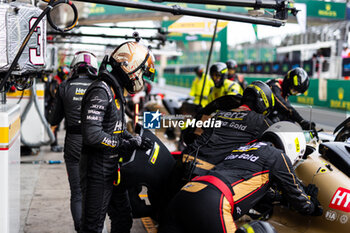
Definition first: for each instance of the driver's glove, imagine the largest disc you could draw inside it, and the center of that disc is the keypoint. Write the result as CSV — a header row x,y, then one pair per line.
x,y
138,142
312,191
146,143
307,125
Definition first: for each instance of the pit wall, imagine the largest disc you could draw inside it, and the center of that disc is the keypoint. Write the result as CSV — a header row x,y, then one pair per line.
x,y
329,93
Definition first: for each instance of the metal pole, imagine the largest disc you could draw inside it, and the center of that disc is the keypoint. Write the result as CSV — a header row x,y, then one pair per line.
x,y
122,27
208,61
3,97
272,4
64,34
88,43
177,10
82,43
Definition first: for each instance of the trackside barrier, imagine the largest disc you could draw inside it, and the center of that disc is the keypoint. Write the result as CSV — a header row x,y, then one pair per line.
x,y
338,91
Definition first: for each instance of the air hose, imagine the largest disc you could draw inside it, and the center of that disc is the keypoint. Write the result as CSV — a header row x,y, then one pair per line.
x,y
34,99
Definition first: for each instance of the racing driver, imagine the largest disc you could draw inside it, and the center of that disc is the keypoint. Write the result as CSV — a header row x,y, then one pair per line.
x,y
105,138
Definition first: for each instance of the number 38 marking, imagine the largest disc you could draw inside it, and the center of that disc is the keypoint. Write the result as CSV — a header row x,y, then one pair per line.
x,y
36,55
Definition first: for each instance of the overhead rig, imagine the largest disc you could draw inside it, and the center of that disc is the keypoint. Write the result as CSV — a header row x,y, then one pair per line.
x,y
160,38
159,29
178,10
280,6
281,9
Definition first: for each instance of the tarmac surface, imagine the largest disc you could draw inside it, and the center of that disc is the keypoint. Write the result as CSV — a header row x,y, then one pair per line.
x,y
45,194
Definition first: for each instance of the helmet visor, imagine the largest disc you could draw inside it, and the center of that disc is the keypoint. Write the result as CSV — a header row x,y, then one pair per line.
x,y
294,92
149,73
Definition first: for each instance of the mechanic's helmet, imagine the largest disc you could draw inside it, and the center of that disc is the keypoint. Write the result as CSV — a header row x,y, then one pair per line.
x,y
199,70
218,72
345,45
257,227
296,82
259,97
288,137
133,61
63,72
231,64
84,63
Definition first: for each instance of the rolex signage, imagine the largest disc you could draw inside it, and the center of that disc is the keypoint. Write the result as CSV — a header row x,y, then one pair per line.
x,y
323,9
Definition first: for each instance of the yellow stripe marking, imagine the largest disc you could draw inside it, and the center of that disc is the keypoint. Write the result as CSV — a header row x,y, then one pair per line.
x,y
8,133
228,118
254,148
155,154
39,93
107,144
118,131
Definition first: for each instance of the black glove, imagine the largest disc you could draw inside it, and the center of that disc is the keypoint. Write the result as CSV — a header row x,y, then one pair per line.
x,y
312,191
146,143
138,142
307,125
133,143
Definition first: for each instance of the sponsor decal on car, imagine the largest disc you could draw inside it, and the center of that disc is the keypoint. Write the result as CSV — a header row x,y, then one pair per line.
x,y
341,200
331,215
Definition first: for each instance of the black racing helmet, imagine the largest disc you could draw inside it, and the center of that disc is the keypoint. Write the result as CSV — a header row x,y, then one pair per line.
x,y
295,82
259,97
84,62
199,70
218,72
231,64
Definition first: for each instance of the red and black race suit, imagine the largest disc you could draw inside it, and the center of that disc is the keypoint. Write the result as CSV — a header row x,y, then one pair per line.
x,y
238,126
249,171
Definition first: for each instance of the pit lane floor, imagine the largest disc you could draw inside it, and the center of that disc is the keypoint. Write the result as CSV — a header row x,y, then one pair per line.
x,y
45,195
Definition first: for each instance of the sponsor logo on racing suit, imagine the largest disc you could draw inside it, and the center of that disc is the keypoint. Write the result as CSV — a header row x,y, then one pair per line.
x,y
94,112
109,142
96,106
80,91
118,126
246,156
97,99
249,157
93,118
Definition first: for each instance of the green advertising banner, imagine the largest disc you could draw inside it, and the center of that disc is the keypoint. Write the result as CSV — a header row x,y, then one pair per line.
x,y
339,94
324,9
338,91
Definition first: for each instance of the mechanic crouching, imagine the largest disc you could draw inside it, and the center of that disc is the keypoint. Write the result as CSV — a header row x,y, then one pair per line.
x,y
211,203
295,82
238,126
105,137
